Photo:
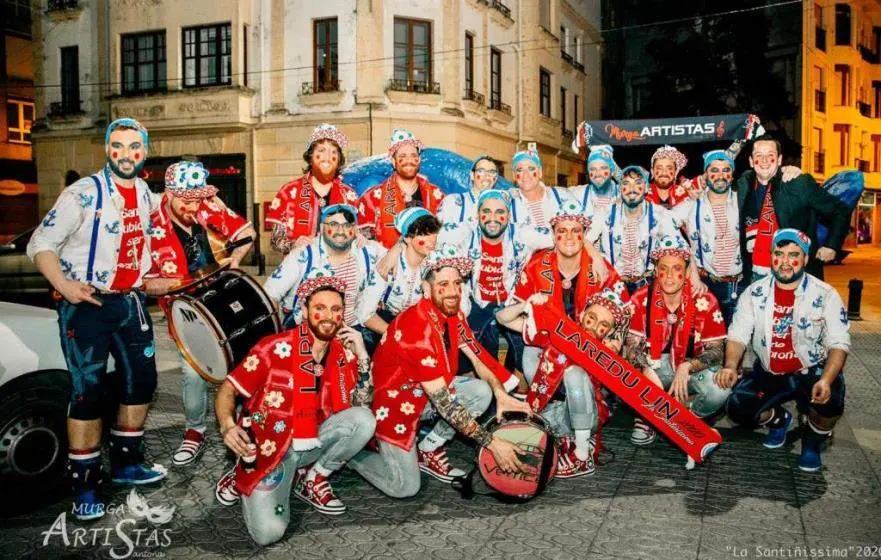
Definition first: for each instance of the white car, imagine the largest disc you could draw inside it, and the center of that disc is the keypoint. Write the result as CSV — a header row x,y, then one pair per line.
x,y
34,394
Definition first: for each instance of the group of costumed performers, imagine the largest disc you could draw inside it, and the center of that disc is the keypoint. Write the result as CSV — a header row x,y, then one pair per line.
x,y
394,306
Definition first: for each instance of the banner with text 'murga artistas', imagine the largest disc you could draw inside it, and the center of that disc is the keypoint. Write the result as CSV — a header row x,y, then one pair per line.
x,y
683,130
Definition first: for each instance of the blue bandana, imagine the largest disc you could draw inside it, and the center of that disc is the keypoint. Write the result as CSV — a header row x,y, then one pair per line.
x,y
716,155
131,123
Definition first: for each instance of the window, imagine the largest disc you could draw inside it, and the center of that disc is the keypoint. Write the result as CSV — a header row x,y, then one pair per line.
x,y
544,92
245,55
70,80
495,78
563,44
843,132
412,51
843,74
324,55
469,64
17,14
578,48
208,55
575,104
143,62
819,153
544,14
19,118
842,24
876,87
818,15
562,180
563,107
876,152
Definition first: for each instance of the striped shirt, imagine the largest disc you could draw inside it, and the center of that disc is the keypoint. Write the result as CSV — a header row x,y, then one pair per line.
x,y
536,211
727,244
348,273
631,256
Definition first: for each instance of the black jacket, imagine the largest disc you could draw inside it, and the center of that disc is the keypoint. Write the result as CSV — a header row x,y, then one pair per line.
x,y
798,204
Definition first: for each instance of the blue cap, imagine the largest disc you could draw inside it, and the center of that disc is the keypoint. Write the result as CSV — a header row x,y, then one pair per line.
x,y
337,208
643,172
794,235
130,123
494,193
405,218
715,155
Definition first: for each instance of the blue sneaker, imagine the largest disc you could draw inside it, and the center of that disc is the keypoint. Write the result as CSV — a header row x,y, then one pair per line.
x,y
809,460
777,436
138,474
88,506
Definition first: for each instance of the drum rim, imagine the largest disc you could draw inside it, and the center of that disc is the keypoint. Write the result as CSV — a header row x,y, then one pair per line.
x,y
273,311
180,289
212,323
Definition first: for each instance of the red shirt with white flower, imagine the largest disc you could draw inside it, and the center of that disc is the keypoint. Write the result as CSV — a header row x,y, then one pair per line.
x,y
297,207
678,193
379,205
131,246
288,396
412,351
707,324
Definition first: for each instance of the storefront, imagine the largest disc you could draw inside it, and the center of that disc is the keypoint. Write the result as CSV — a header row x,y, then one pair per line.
x,y
226,172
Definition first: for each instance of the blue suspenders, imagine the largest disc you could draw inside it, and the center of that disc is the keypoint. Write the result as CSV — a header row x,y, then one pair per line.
x,y
93,245
612,239
697,224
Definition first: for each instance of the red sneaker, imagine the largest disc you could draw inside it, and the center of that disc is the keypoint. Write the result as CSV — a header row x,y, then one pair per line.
x,y
318,492
570,466
190,448
437,465
226,491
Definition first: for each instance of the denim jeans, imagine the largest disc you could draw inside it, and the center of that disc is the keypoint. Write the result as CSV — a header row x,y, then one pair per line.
x,y
578,411
488,332
707,398
267,510
395,471
194,391
726,295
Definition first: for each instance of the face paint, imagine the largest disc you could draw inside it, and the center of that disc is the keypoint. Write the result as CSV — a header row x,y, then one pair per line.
x,y
316,316
502,219
559,237
579,237
114,155
420,242
137,156
337,318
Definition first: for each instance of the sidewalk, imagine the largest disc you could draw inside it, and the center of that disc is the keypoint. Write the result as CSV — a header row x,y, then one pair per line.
x,y
747,502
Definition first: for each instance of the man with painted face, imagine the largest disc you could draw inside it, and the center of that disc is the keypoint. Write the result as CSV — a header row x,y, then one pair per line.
x,y
798,328
93,247
401,287
462,207
600,193
564,273
414,374
334,251
190,222
499,250
767,201
677,338
295,212
404,188
711,224
633,227
576,415
303,389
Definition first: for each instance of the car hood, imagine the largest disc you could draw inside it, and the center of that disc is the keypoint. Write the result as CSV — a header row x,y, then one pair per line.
x,y
30,340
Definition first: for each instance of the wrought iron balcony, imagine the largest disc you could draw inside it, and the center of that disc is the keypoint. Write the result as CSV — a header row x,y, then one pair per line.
x,y
820,162
862,165
501,8
414,87
567,134
308,88
864,108
497,105
566,56
820,100
59,5
472,95
868,54
65,108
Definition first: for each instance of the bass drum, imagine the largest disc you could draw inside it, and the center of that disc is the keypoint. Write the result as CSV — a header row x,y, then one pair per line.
x,y
217,322
539,457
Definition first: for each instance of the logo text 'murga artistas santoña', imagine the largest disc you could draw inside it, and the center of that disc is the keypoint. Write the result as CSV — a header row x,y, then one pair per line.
x,y
128,534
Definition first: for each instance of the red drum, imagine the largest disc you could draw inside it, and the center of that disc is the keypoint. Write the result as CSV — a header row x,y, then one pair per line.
x,y
539,455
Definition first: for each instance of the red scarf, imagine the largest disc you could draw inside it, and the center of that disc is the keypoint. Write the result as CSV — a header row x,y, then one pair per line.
x,y
767,227
682,330
393,202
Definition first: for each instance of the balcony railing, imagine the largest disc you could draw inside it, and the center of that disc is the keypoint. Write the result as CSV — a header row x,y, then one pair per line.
x,y
820,100
414,87
65,108
820,162
869,55
566,56
820,41
308,88
862,165
864,108
501,8
472,95
579,66
58,5
497,105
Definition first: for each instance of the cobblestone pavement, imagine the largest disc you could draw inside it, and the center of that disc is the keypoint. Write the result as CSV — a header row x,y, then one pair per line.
x,y
747,502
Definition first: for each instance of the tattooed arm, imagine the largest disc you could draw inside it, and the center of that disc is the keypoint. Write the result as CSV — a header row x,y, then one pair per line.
x,y
636,352
280,240
712,355
454,412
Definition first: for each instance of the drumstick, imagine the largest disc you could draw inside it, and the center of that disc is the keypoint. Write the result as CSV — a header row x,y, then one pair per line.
x,y
233,245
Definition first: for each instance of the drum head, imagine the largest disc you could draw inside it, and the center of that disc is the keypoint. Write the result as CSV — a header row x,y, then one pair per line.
x,y
197,277
198,340
533,441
